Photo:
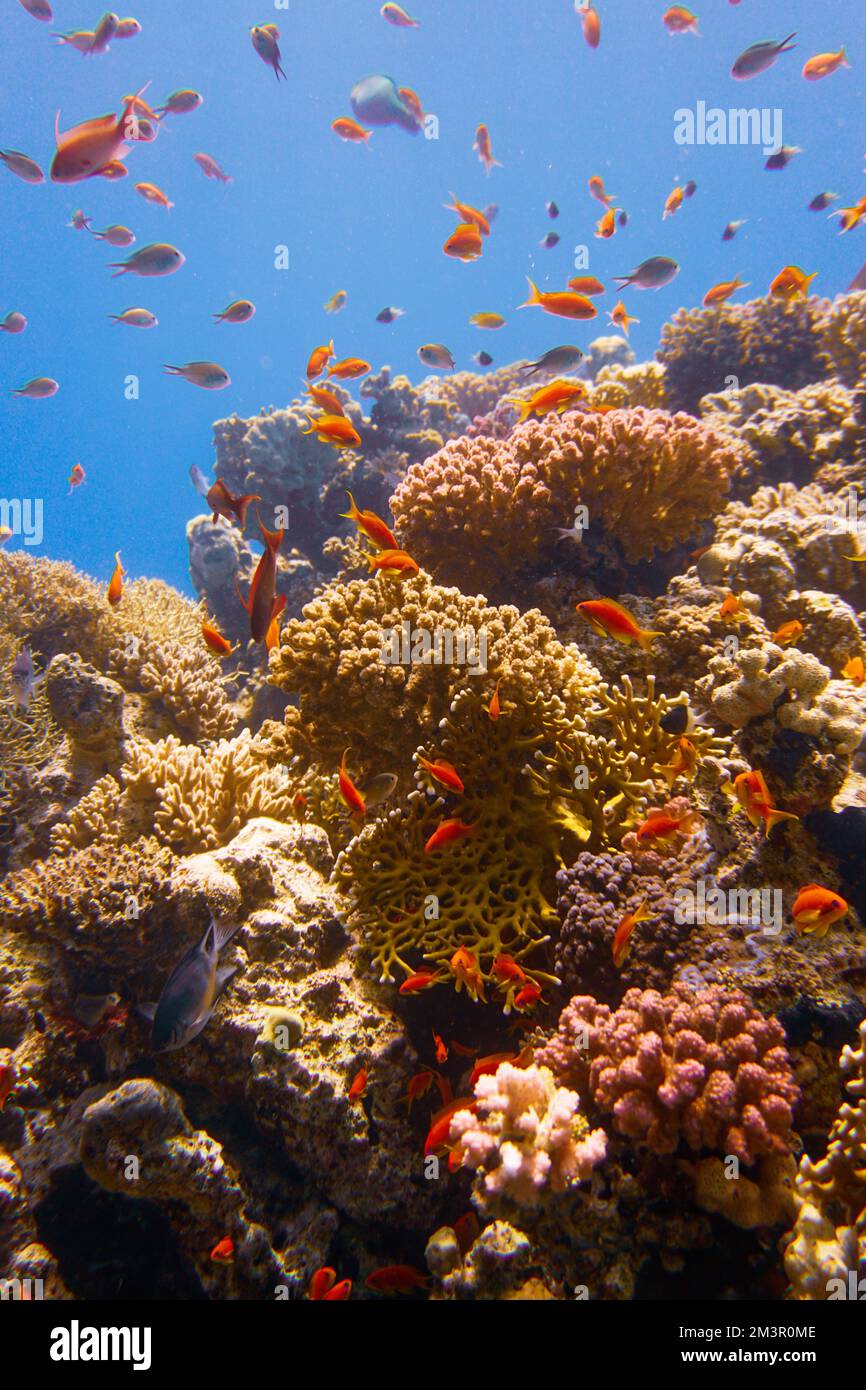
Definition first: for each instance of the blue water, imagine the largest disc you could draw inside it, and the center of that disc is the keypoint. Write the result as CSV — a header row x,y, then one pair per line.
x,y
371,221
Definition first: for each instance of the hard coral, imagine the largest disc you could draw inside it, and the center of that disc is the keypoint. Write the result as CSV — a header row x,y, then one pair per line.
x,y
482,510
703,1068
526,1135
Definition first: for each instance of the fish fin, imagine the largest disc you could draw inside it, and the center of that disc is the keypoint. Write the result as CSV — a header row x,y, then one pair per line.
x,y
244,602
223,977
645,639
272,539
223,932
775,818
534,295
279,605
785,46
146,1011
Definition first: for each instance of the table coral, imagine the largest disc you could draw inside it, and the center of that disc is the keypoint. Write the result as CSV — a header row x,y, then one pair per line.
x,y
481,510
828,1241
526,1135
700,1067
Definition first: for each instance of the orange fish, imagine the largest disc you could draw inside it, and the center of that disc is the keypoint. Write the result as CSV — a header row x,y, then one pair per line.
x,y
417,983
660,826
621,318
321,1282
815,910
418,1086
684,763
299,805
223,503
623,934
854,670
349,792
334,429
447,833
467,1229
485,1066
413,101
606,225
482,145
7,1083
673,202
441,1049
679,20
394,561
115,584
440,1126
849,218
272,636
445,773
224,1252
467,213
792,283
823,64
371,525
732,609
610,619
319,359
396,1279
555,398
586,284
753,794
347,129
494,709
76,477
327,401
87,149
528,997
340,1292
465,243
596,188
505,967
564,303
358,1086
210,168
788,633
215,641
719,293
466,971
349,368
262,603
462,1050
152,194
591,25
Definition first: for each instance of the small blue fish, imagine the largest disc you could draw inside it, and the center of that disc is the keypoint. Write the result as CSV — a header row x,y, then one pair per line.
x,y
191,992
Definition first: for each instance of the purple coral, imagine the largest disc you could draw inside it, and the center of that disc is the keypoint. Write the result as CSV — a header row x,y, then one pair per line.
x,y
702,1067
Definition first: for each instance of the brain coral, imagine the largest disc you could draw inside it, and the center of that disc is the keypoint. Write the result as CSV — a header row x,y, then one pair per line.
x,y
768,340
482,509
700,1067
339,659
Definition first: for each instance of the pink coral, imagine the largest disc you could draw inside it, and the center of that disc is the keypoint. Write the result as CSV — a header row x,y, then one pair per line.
x,y
703,1067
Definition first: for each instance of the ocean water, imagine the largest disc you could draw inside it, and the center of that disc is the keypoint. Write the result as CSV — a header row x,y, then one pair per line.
x,y
371,221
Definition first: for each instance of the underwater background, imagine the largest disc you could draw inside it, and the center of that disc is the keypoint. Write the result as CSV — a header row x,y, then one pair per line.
x,y
433,793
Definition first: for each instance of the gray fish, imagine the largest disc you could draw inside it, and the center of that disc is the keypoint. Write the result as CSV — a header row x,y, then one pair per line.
x,y
379,788
199,481
822,201
436,355
483,359
549,241
376,100
90,1009
552,210
491,211
389,314
732,228
760,57
782,156
558,359
653,274
191,991
690,189
24,678
622,219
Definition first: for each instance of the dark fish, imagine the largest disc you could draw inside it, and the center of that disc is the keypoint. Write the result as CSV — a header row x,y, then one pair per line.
x,y
389,314
483,359
622,219
783,156
379,788
822,201
549,241
558,359
491,212
859,281
24,678
552,210
732,228
690,189
678,720
191,992
760,57
653,274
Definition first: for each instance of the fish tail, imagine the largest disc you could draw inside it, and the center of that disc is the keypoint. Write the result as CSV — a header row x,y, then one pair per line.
x,y
645,639
272,539
534,295
172,371
772,818
352,514
785,46
244,602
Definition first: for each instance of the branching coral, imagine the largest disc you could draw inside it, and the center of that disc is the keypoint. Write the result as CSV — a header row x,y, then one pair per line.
x,y
774,341
627,386
482,510
699,1067
526,1136
792,433
828,1243
184,679
377,663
